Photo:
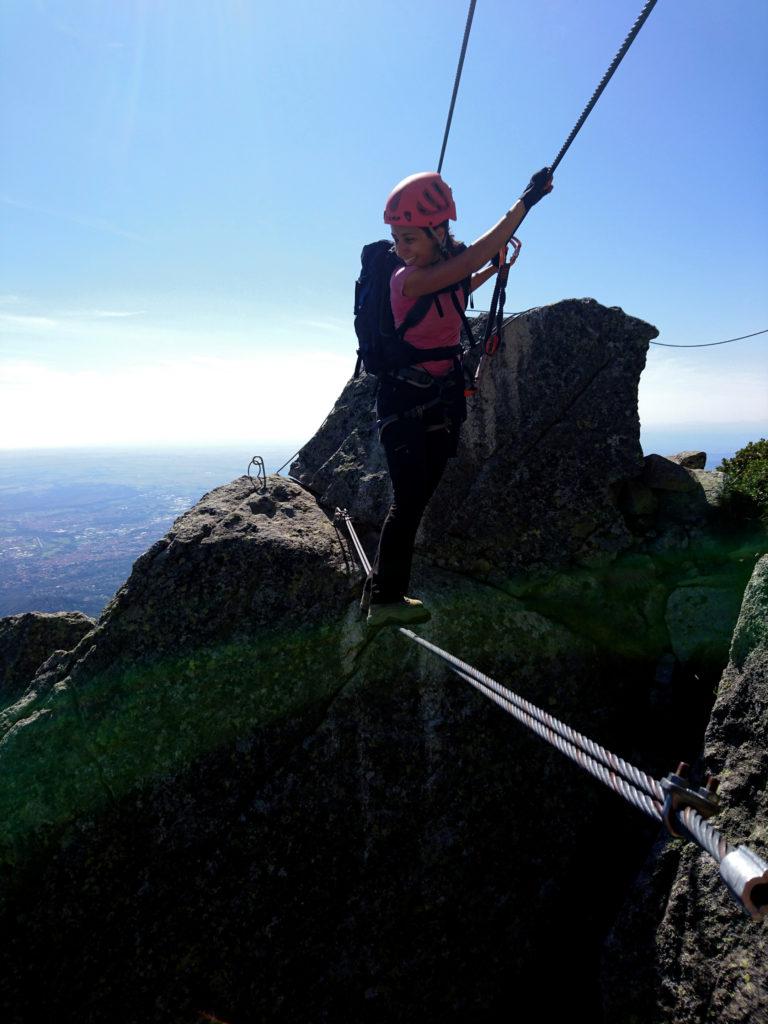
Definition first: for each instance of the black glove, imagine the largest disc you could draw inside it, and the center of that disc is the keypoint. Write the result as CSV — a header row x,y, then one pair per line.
x,y
539,185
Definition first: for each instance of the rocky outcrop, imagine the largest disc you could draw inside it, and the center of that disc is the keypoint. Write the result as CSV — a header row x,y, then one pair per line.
x,y
27,640
225,624
258,810
553,432
252,808
681,953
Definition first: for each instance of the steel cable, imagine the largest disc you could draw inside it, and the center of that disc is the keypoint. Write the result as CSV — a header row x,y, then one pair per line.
x,y
710,344
550,727
470,15
620,776
600,771
641,19
635,785
706,835
673,803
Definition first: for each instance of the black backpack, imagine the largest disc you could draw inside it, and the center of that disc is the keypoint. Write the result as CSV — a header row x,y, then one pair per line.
x,y
382,348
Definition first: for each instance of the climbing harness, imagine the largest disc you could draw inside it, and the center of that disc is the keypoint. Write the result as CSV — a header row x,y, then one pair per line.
x,y
682,808
438,391
261,473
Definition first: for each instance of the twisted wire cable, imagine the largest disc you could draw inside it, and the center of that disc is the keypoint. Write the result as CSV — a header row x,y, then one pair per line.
x,y
287,462
706,835
550,727
600,771
638,788
468,26
641,19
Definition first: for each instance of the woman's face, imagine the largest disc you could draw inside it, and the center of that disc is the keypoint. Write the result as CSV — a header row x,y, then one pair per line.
x,y
415,247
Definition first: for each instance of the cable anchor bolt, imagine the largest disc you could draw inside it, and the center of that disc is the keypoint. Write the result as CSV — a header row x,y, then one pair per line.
x,y
261,473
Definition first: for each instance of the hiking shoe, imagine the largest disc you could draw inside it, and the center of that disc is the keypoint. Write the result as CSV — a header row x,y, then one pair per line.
x,y
405,612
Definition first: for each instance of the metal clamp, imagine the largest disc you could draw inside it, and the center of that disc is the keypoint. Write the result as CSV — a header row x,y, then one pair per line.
x,y
746,876
679,795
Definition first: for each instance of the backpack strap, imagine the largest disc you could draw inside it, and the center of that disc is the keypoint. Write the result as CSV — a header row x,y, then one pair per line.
x,y
461,310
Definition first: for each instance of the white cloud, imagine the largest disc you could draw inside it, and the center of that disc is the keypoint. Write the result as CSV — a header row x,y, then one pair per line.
x,y
25,322
101,314
270,398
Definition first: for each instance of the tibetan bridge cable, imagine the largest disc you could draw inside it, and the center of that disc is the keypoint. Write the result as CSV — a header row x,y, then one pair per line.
x,y
683,810
711,344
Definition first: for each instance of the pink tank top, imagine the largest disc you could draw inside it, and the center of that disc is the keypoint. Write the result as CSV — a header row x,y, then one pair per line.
x,y
434,331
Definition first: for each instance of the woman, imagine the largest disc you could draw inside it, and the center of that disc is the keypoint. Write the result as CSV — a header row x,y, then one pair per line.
x,y
421,408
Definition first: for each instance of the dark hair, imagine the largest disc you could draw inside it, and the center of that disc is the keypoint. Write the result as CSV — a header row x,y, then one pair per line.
x,y
450,246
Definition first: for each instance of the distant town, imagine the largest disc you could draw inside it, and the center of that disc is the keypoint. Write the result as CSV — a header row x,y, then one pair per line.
x,y
74,554
72,523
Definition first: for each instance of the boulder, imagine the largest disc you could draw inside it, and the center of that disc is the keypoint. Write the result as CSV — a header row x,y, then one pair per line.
x,y
691,460
27,640
636,499
663,474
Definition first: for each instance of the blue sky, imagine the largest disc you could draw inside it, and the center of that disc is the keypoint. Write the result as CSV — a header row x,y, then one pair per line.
x,y
190,183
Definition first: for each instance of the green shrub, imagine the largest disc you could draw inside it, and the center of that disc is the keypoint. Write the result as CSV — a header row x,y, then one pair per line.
x,y
746,477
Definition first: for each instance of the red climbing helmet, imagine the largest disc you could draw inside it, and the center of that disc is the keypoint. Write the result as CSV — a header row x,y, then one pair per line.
x,y
421,200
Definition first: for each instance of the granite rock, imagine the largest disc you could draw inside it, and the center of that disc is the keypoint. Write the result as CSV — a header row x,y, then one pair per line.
x,y
29,639
552,434
691,460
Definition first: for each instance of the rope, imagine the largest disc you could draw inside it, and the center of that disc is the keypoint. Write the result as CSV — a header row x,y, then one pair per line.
x,y
468,26
709,344
642,17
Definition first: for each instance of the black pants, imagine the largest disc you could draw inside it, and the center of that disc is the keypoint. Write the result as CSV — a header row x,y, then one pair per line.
x,y
417,448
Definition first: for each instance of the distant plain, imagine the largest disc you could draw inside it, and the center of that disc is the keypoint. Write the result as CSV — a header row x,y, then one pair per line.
x,y
73,521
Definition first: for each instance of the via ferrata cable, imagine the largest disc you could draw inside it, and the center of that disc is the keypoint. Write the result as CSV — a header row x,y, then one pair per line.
x,y
672,801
